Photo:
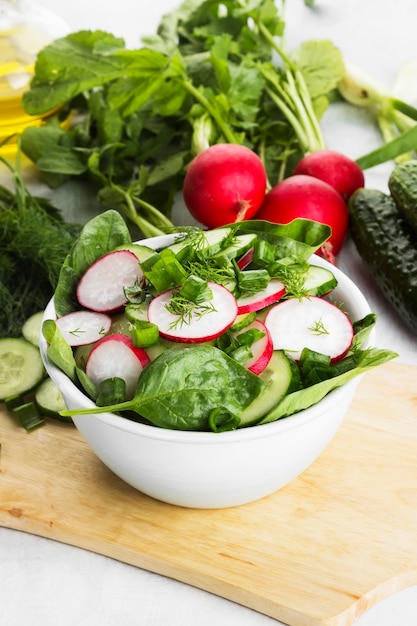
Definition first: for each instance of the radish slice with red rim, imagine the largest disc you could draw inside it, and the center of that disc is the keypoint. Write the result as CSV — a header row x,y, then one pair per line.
x,y
80,328
310,322
261,349
101,288
116,356
272,293
246,259
205,322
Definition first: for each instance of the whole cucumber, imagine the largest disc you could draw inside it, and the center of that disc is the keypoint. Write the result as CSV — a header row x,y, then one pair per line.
x,y
402,184
388,246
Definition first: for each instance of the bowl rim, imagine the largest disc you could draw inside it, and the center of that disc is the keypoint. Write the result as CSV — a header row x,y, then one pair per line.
x,y
187,436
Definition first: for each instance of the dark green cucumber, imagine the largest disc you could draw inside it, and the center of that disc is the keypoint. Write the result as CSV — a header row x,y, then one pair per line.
x,y
402,184
388,246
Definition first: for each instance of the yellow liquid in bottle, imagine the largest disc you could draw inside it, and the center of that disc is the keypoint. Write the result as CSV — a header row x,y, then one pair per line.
x,y
20,41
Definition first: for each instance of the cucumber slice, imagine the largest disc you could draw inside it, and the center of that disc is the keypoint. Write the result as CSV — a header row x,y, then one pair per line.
x,y
50,401
137,312
21,367
31,328
142,252
211,242
281,377
319,281
238,247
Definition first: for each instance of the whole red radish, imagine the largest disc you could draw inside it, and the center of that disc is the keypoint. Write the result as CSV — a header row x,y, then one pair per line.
x,y
310,198
225,183
334,168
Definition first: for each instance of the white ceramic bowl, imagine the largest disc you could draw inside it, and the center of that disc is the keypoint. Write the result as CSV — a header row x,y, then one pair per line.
x,y
213,470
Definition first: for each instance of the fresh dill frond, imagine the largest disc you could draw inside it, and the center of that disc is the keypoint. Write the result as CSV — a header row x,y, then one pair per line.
x,y
34,241
210,271
185,310
293,277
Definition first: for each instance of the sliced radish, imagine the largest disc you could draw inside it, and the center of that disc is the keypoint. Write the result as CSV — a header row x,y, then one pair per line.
x,y
202,325
261,349
101,288
116,356
272,293
310,322
83,327
246,259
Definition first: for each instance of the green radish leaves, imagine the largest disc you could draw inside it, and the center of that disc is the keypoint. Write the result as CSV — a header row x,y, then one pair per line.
x,y
208,76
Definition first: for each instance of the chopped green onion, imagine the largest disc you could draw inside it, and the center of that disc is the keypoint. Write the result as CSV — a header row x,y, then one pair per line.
x,y
253,280
196,290
163,270
242,321
241,354
264,253
28,416
221,420
144,334
248,337
14,401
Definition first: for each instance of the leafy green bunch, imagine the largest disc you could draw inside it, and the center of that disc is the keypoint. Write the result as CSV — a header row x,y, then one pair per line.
x,y
215,71
34,241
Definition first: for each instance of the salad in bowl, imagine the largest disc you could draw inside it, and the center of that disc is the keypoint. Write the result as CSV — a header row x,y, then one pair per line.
x,y
177,353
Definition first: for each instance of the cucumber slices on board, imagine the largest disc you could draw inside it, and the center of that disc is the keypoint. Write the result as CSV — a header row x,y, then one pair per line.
x,y
21,367
29,395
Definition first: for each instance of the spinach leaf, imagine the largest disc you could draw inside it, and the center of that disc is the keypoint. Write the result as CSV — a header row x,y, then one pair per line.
x,y
100,235
183,387
299,239
300,400
59,351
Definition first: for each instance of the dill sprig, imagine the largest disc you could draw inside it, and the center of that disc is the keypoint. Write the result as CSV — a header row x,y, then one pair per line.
x,y
293,278
34,241
210,271
185,310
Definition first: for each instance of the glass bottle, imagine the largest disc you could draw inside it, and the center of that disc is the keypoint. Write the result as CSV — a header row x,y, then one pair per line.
x,y
25,28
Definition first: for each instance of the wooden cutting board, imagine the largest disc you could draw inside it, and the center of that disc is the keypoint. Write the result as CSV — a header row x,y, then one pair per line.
x,y
320,551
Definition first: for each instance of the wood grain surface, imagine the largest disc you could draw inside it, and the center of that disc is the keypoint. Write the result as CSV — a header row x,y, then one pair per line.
x,y
322,550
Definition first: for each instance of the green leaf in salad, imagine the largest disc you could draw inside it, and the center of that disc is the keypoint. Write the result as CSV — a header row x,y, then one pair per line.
x,y
59,351
306,397
100,235
182,386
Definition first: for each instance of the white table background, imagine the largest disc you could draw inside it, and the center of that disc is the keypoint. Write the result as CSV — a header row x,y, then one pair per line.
x,y
45,583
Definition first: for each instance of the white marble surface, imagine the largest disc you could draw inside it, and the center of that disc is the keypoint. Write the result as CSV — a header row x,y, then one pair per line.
x,y
45,583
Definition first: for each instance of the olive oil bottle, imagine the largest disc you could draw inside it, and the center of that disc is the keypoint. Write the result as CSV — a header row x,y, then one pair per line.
x,y
25,28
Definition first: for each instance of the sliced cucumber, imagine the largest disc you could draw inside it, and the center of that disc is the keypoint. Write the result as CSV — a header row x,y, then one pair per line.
x,y
281,376
137,312
319,281
211,242
21,367
142,252
32,327
50,401
238,247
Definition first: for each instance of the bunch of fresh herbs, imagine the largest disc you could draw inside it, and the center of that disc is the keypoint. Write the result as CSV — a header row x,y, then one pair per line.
x,y
215,71
34,241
